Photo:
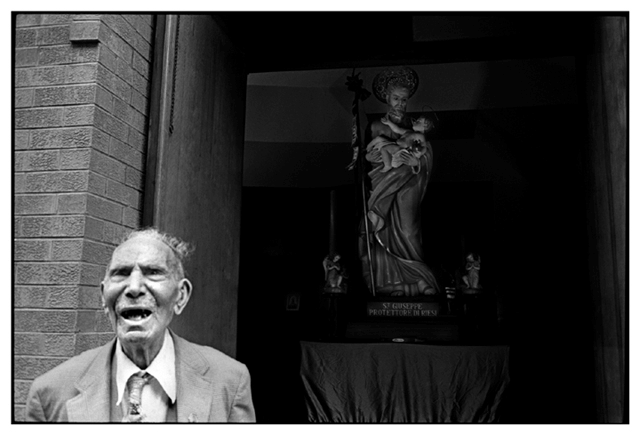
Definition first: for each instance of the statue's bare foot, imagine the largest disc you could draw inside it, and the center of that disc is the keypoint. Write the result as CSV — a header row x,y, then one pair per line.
x,y
426,289
397,293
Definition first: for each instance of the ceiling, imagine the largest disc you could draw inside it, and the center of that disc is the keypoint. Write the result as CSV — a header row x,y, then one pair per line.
x,y
498,71
290,41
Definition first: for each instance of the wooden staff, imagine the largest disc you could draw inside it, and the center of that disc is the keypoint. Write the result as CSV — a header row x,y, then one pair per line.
x,y
332,223
355,84
367,231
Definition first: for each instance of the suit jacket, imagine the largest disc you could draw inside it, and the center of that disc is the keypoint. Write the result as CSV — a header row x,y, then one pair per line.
x,y
212,387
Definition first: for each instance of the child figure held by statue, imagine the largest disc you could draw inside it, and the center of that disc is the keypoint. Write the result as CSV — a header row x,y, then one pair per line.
x,y
411,141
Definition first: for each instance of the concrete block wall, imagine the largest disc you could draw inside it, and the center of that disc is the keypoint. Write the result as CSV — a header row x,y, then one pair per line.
x,y
82,86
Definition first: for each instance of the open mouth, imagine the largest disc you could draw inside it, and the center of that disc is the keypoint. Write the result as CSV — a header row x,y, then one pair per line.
x,y
135,314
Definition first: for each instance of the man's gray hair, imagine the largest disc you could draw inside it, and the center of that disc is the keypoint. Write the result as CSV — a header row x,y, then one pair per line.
x,y
181,249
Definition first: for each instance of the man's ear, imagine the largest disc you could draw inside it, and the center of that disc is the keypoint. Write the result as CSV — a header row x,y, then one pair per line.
x,y
104,303
184,293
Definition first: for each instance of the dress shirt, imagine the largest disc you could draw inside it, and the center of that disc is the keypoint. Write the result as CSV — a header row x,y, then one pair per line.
x,y
161,387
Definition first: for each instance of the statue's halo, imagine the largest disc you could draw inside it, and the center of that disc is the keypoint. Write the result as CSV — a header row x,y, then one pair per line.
x,y
402,75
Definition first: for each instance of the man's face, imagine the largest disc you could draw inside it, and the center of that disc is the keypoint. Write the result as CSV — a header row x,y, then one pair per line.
x,y
397,101
142,291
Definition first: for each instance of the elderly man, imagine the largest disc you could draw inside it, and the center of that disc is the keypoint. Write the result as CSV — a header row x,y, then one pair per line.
x,y
147,373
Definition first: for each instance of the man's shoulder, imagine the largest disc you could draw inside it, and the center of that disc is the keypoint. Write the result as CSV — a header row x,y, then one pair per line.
x,y
70,370
214,358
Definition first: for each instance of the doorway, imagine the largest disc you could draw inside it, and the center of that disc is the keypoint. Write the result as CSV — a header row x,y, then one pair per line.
x,y
484,177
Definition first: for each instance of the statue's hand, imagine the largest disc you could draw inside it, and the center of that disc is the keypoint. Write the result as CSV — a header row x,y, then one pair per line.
x,y
407,158
374,156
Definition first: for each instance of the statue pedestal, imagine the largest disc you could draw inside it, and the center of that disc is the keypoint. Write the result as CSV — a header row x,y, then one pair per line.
x,y
431,329
405,319
468,318
395,308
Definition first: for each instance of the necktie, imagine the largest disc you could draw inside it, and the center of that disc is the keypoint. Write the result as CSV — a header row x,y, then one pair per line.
x,y
135,384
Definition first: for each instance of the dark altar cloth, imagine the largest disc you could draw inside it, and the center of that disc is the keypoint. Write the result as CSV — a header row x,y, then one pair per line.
x,y
389,382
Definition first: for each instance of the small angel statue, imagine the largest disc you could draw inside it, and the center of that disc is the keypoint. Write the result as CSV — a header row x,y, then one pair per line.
x,y
471,278
334,274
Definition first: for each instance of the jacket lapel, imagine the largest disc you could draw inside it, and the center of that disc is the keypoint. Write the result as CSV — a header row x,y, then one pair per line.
x,y
92,404
194,389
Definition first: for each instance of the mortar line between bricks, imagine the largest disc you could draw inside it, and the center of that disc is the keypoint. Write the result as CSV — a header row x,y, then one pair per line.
x,y
53,128
47,193
52,286
93,239
56,238
56,262
56,65
128,165
116,159
57,358
53,170
54,215
47,262
60,106
54,309
47,333
46,46
43,26
65,127
37,47
38,193
106,198
57,85
47,239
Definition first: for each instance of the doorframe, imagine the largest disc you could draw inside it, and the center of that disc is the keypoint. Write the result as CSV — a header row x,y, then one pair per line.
x,y
161,87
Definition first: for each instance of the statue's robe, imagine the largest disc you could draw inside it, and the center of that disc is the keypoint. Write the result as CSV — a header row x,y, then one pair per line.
x,y
395,226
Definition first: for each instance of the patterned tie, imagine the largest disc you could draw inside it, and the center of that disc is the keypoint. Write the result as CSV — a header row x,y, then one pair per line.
x,y
135,384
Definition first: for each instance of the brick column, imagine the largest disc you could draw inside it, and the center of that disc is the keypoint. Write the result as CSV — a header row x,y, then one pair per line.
x,y
82,86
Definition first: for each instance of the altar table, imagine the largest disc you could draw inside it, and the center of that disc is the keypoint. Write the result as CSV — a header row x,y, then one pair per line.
x,y
392,382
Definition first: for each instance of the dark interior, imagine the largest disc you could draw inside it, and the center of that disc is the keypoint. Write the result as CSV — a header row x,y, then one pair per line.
x,y
527,217
291,41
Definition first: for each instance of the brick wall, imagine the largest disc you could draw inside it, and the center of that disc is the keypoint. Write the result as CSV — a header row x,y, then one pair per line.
x,y
82,87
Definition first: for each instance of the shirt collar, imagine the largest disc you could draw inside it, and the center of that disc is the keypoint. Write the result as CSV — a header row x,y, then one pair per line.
x,y
162,368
